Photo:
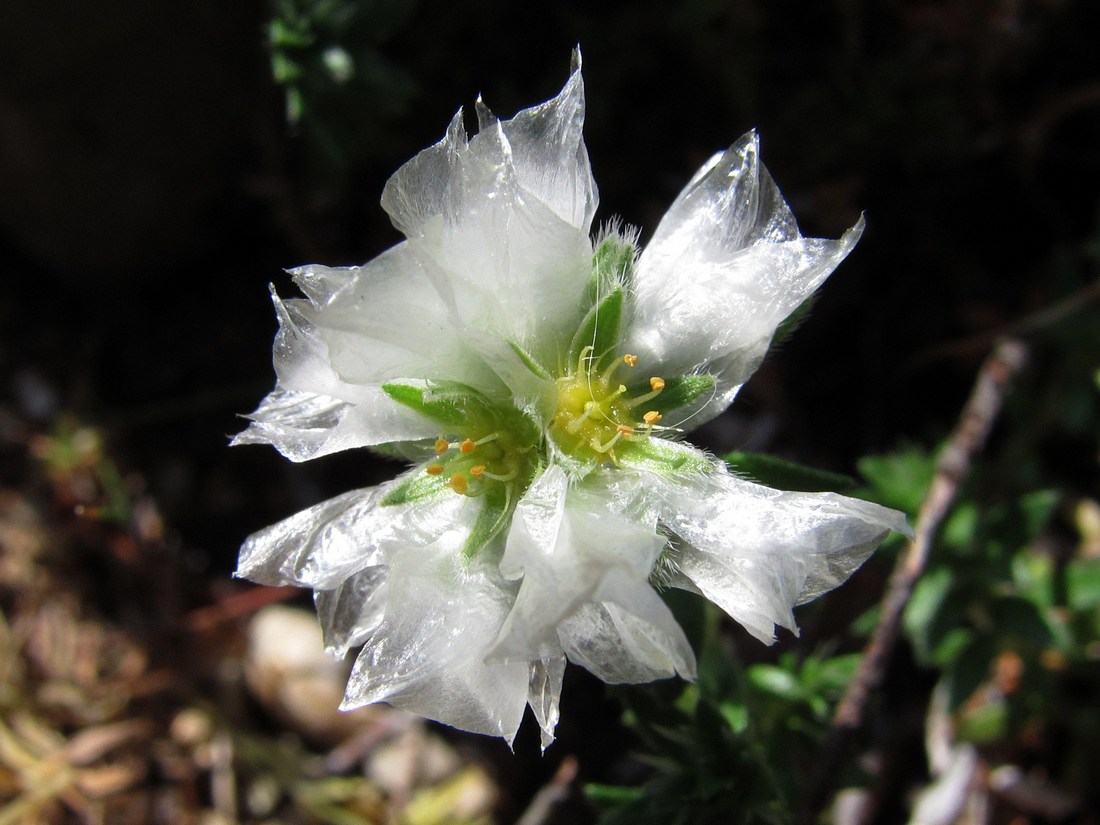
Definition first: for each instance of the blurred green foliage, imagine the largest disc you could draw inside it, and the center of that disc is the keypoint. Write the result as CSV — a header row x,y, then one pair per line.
x,y
339,86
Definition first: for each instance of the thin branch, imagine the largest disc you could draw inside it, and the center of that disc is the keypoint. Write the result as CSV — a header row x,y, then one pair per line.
x,y
552,795
952,467
1042,318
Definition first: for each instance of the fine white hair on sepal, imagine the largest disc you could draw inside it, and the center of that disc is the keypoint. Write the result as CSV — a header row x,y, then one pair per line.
x,y
616,229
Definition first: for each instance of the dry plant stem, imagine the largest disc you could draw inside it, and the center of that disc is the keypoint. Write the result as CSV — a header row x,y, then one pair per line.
x,y
952,467
549,797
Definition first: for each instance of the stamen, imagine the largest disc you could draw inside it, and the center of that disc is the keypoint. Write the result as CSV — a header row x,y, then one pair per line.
x,y
467,446
434,469
477,470
459,483
657,383
609,373
587,351
486,439
573,427
625,429
496,477
651,417
595,444
441,446
630,360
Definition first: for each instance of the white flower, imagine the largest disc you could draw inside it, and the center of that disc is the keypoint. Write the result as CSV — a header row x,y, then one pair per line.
x,y
539,380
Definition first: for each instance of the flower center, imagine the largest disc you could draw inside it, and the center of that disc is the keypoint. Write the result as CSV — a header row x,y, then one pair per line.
x,y
474,466
595,411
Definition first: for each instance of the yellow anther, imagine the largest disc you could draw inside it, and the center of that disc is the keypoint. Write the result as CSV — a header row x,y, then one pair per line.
x,y
651,417
657,383
630,360
467,446
441,446
459,483
625,429
477,470
434,469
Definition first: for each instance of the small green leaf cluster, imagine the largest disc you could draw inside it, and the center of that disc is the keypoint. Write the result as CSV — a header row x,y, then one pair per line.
x,y
1002,620
733,747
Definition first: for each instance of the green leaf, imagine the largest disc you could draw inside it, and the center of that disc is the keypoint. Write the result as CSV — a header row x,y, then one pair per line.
x,y
1083,584
1016,617
416,486
969,671
775,681
837,672
281,34
679,391
600,327
1036,509
529,361
899,479
984,723
929,596
661,456
1033,577
784,474
612,794
491,519
736,715
448,403
961,526
949,646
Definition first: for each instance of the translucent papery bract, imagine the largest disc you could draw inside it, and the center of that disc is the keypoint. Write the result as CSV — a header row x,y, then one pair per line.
x,y
726,266
303,426
546,156
322,546
757,552
549,155
513,266
313,411
517,271
585,587
543,692
388,319
428,653
349,613
628,635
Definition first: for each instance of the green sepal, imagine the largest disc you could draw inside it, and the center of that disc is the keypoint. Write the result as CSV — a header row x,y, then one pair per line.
x,y
679,391
786,475
600,327
793,321
496,508
529,361
612,265
446,402
659,455
416,486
